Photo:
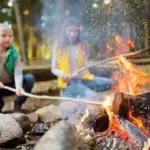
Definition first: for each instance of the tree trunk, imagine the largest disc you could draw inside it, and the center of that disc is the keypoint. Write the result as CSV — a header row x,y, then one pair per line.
x,y
146,34
20,31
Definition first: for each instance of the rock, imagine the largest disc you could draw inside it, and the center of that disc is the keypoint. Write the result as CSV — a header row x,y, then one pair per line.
x,y
49,113
62,136
33,117
70,110
9,130
23,121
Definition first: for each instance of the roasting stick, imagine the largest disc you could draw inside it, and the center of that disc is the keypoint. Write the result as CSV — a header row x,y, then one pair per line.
x,y
55,97
111,59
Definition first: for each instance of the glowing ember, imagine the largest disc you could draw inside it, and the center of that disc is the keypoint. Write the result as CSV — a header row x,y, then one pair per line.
x,y
138,122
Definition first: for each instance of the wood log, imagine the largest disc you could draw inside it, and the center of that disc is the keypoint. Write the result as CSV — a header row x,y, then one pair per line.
x,y
101,123
134,132
139,104
98,121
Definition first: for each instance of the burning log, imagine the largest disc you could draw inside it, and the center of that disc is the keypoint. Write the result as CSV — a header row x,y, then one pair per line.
x,y
101,123
135,133
98,122
139,105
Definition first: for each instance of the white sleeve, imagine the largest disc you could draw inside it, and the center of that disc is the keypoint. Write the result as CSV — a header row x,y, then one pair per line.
x,y
18,76
54,69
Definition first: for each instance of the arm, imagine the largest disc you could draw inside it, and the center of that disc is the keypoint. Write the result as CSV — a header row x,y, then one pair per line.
x,y
18,77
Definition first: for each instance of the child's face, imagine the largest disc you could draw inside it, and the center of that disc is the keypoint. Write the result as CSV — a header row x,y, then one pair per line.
x,y
72,32
6,37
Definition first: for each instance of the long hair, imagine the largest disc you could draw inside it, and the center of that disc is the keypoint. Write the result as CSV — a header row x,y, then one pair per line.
x,y
63,41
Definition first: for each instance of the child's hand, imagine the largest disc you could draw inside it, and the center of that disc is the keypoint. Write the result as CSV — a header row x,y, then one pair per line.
x,y
19,91
1,85
67,77
75,75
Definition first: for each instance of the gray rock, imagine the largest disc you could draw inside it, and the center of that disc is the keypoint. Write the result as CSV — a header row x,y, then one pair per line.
x,y
62,136
23,121
49,113
9,128
33,117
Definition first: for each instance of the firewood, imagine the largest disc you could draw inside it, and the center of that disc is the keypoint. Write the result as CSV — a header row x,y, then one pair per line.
x,y
135,133
140,104
120,106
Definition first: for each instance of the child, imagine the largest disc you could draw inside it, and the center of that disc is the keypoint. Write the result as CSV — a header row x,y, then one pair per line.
x,y
11,69
70,54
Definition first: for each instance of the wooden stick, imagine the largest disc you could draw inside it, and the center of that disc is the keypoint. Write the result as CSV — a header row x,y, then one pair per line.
x,y
102,62
56,97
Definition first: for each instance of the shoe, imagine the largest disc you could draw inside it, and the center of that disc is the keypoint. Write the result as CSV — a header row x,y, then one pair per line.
x,y
17,107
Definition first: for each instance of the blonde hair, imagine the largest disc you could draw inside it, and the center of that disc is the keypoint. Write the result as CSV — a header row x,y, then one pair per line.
x,y
5,25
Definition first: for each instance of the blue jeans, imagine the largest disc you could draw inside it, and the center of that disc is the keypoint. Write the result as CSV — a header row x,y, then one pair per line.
x,y
77,89
87,88
28,83
99,83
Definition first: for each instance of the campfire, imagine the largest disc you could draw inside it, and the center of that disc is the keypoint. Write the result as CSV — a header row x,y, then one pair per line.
x,y
121,121
124,117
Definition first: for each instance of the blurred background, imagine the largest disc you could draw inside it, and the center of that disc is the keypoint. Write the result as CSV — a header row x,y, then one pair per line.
x,y
37,23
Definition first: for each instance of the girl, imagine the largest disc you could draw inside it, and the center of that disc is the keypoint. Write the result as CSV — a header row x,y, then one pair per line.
x,y
11,69
70,54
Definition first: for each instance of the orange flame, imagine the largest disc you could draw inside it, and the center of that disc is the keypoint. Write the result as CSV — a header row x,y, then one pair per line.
x,y
132,79
113,122
138,122
120,45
